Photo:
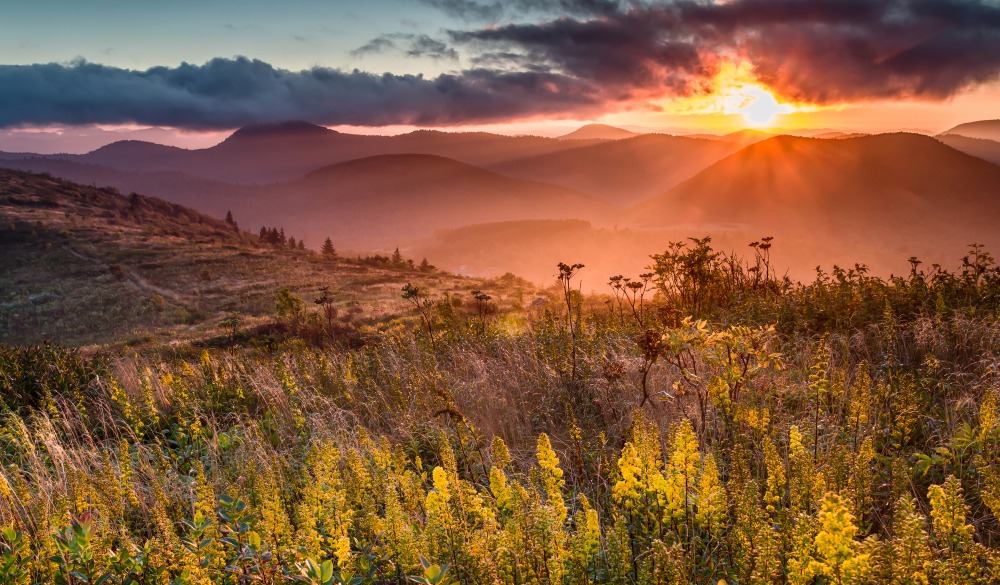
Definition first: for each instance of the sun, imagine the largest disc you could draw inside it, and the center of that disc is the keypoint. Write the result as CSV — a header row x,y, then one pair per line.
x,y
734,92
757,105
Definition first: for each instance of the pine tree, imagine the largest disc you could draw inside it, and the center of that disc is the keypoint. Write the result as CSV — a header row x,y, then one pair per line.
x,y
302,245
328,250
229,218
291,242
263,234
397,257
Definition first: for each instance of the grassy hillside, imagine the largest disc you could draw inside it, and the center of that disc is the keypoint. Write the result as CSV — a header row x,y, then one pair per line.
x,y
89,266
708,423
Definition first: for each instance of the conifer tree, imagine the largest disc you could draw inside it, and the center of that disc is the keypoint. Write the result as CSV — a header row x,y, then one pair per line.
x,y
328,250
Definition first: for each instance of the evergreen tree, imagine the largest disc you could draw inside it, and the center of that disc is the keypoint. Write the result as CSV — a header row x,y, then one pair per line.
x,y
396,256
229,218
302,245
263,234
291,242
328,250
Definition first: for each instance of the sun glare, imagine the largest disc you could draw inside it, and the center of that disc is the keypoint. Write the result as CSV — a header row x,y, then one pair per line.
x,y
735,91
757,105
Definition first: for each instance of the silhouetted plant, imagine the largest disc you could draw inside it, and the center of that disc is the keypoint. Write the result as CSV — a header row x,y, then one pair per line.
x,y
326,302
418,298
232,325
566,274
483,307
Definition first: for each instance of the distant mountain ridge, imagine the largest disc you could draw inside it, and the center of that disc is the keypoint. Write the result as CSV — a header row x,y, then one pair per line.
x,y
375,192
282,152
598,132
386,199
988,150
983,129
904,190
621,171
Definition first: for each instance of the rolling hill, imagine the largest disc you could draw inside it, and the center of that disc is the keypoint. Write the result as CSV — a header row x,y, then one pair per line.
x,y
904,193
364,204
385,201
984,129
288,151
88,266
205,195
624,171
988,150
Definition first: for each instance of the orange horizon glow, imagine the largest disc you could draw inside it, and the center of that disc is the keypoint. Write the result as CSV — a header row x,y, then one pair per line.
x,y
733,100
735,93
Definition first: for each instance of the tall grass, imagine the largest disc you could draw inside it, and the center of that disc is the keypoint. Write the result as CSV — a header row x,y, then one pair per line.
x,y
841,432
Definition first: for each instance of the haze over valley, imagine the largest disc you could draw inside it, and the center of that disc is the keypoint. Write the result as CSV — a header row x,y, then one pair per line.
x,y
477,202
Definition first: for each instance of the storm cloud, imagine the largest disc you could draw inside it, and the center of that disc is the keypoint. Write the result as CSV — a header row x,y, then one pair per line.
x,y
474,10
819,51
591,57
227,93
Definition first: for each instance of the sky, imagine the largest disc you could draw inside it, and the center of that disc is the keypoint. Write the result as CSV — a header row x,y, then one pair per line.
x,y
76,75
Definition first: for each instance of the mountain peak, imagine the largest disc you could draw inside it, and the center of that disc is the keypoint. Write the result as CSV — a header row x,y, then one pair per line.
x,y
293,128
598,132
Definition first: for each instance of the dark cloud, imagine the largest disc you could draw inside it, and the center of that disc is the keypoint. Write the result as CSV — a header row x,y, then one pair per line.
x,y
425,46
227,93
815,50
411,45
379,44
598,55
474,10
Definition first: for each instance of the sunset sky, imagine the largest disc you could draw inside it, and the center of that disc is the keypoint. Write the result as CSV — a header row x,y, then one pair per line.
x,y
75,75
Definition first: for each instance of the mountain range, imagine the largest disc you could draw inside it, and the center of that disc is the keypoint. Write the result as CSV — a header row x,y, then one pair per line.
x,y
886,196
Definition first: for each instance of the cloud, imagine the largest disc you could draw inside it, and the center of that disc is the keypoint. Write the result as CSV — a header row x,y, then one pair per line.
x,y
592,56
411,45
820,51
228,93
472,10
379,44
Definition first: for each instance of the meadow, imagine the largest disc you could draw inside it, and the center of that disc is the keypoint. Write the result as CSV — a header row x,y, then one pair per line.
x,y
705,422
